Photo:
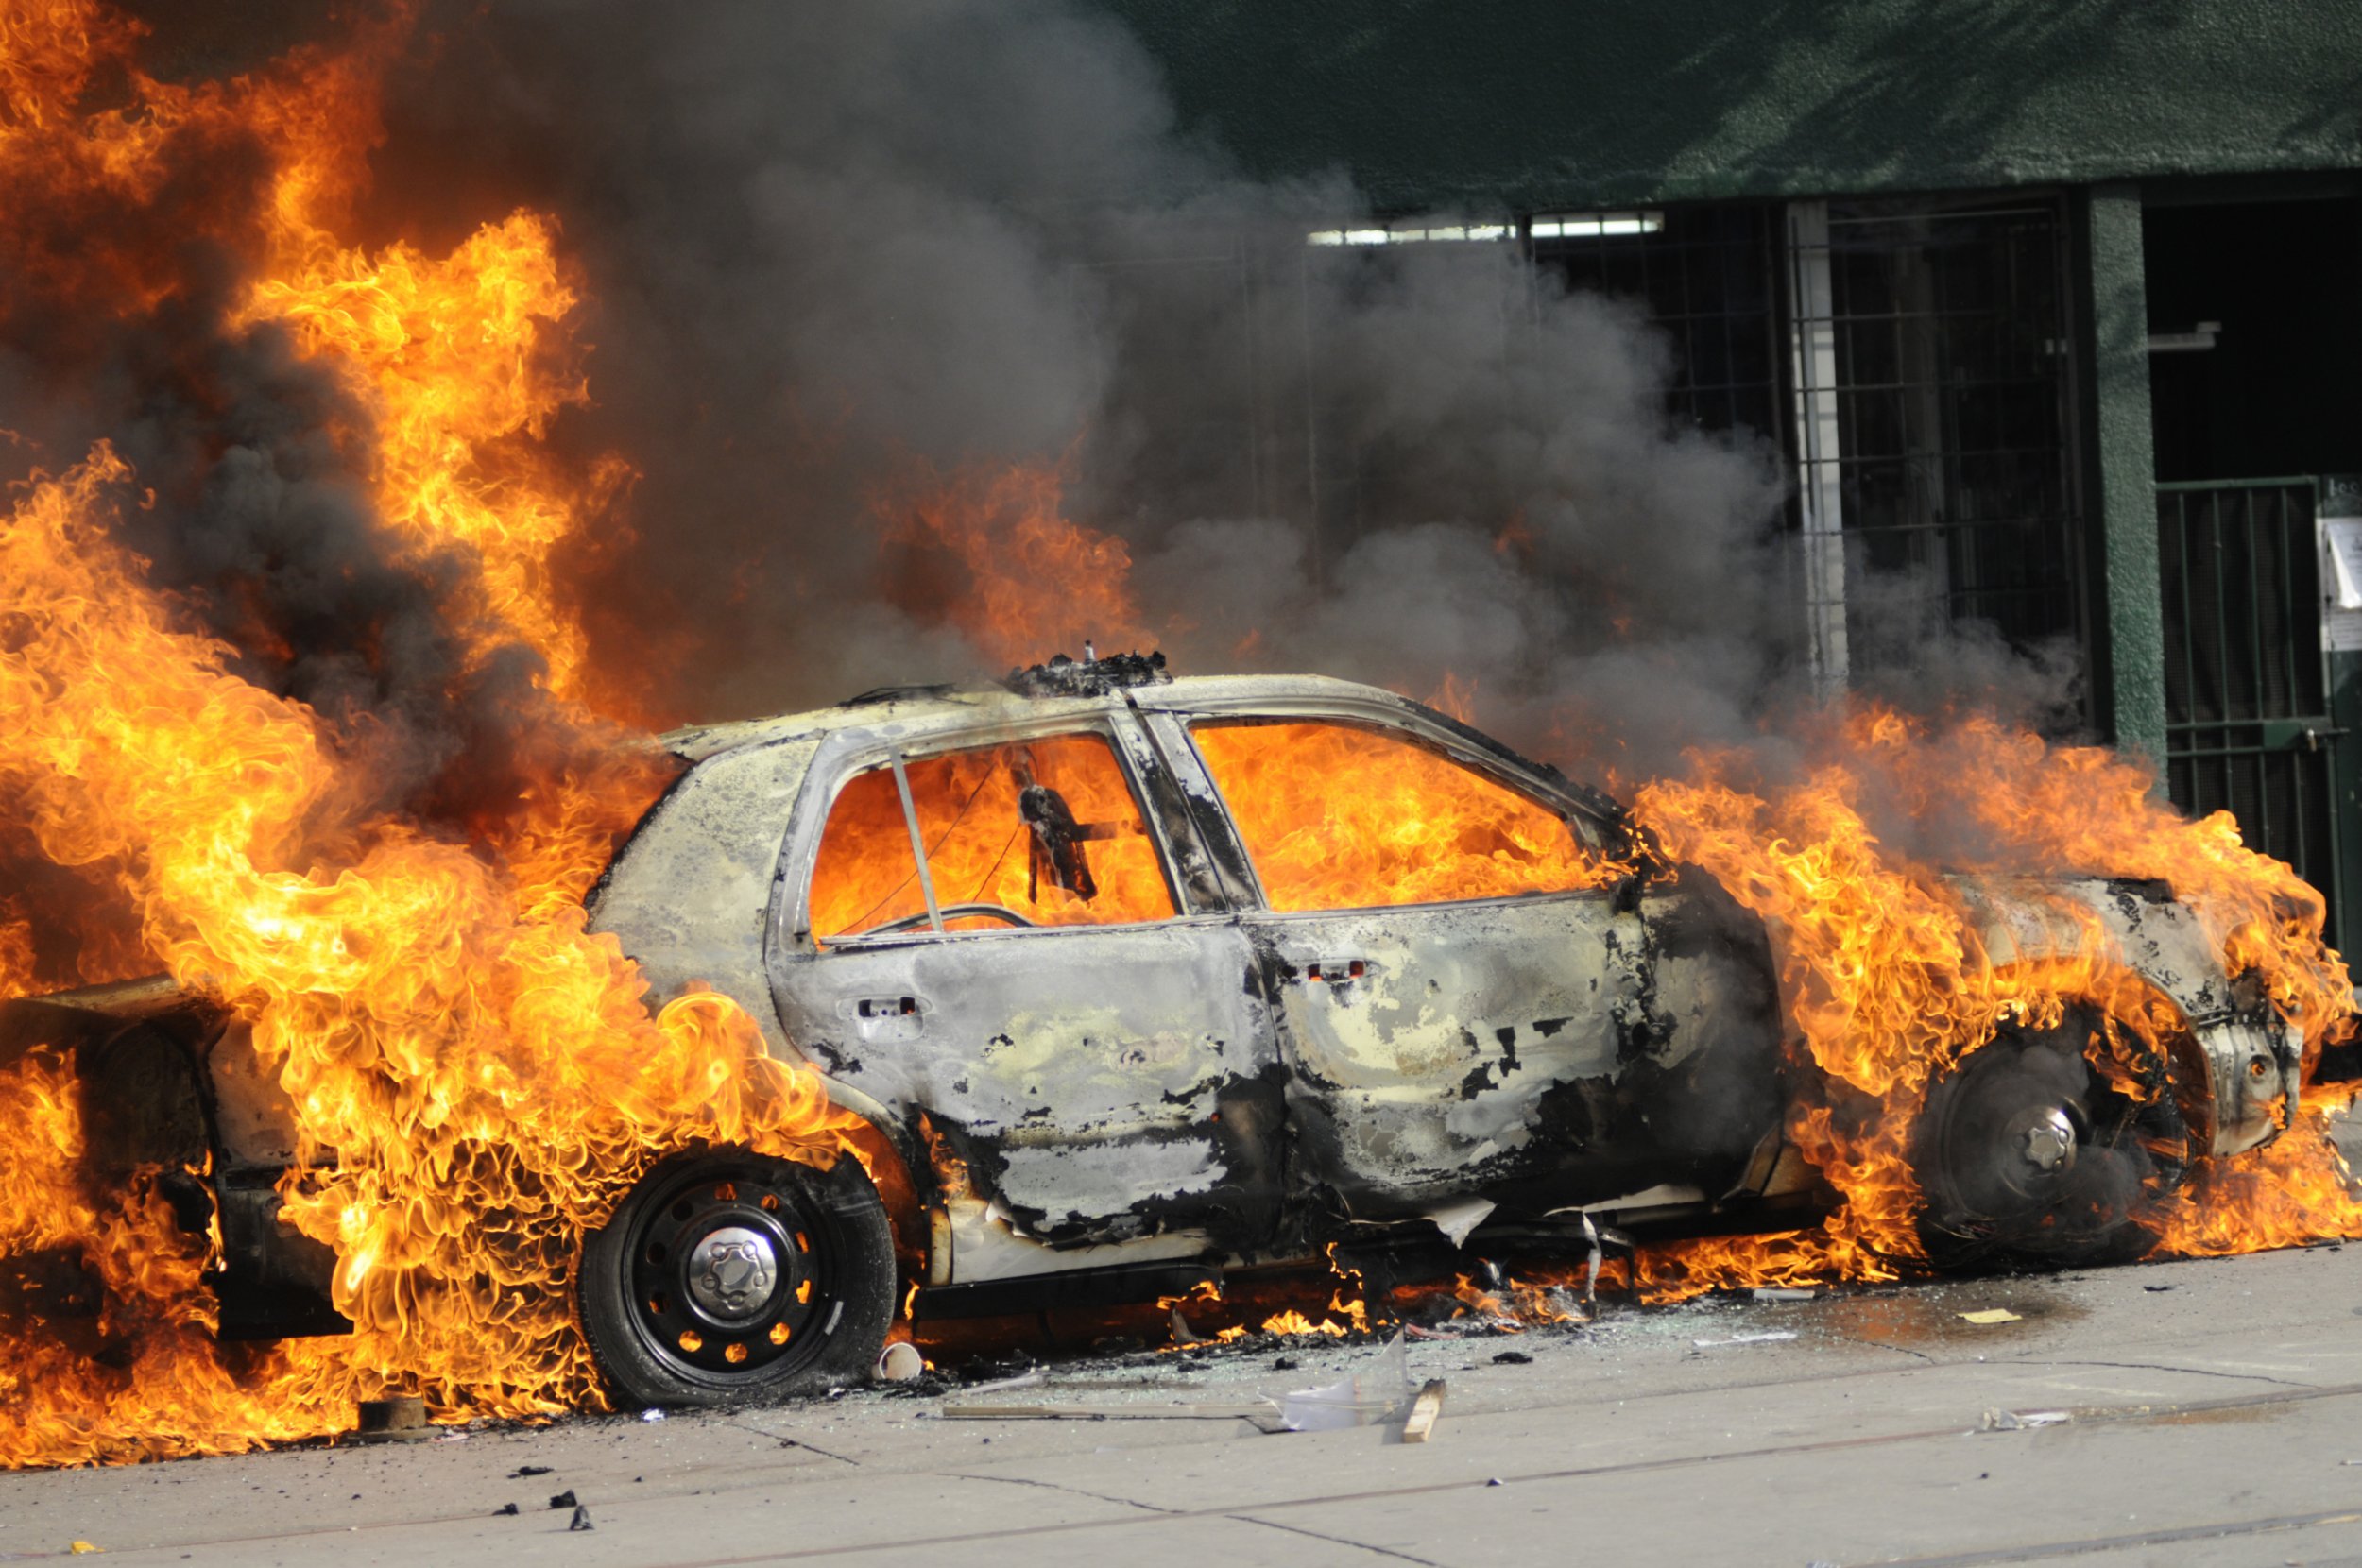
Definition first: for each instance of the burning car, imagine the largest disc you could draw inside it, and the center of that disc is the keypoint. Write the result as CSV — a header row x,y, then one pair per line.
x,y
1131,980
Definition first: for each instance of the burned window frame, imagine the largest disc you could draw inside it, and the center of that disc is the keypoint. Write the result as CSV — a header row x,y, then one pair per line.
x,y
1591,832
847,759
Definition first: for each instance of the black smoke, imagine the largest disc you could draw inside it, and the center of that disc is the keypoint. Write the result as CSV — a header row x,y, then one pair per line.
x,y
822,248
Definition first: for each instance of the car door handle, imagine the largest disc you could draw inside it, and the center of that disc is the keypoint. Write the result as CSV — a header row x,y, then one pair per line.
x,y
885,1019
1331,970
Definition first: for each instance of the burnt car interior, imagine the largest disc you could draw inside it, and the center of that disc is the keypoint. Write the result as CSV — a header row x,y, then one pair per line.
x,y
1415,827
1043,832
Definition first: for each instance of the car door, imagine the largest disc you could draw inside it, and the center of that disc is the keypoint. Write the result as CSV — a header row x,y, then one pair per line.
x,y
986,931
1466,981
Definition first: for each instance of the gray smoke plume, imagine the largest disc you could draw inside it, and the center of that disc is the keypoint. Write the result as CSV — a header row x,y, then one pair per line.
x,y
825,248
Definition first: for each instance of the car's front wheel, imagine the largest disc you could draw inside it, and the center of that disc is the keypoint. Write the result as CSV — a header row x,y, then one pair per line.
x,y
727,1277
2025,1152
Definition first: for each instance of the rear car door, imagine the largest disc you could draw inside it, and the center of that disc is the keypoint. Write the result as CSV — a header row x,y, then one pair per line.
x,y
984,930
1470,982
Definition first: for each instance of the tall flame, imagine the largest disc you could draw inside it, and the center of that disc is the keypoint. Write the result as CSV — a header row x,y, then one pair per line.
x,y
476,1079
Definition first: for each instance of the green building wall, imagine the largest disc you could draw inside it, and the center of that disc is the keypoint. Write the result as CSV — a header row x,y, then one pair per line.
x,y
1530,105
1535,103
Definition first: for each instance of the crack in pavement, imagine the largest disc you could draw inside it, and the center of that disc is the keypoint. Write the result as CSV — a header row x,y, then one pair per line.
x,y
2217,1531
1054,1486
786,1441
2194,1371
1899,1350
1335,1539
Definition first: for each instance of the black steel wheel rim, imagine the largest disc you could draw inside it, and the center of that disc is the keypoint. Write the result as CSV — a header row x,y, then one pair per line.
x,y
1979,1150
697,1250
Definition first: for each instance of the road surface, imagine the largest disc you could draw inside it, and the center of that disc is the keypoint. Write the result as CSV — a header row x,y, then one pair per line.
x,y
2195,1413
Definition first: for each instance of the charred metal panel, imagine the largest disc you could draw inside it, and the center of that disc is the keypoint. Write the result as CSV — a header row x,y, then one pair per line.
x,y
1548,1049
66,1018
275,1281
2253,1058
142,1103
1233,884
1719,1100
1085,1070
689,897
985,1245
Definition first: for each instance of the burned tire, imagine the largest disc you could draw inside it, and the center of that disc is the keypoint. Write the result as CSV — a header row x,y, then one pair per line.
x,y
2025,1154
729,1278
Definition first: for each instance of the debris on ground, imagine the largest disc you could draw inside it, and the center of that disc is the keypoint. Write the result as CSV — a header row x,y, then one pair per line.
x,y
1513,1358
565,1500
1356,1399
1990,1315
1424,1409
397,1417
1764,1339
524,1470
581,1520
1109,1412
1782,1293
2018,1420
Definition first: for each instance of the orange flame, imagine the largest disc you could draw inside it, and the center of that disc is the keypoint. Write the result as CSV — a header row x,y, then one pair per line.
x,y
1891,985
1414,826
1036,582
475,1078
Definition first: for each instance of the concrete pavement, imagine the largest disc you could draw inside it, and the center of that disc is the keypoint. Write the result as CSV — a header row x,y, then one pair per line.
x,y
2212,1409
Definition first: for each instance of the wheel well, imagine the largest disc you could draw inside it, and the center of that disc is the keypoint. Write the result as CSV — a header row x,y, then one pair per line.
x,y
2125,997
889,1169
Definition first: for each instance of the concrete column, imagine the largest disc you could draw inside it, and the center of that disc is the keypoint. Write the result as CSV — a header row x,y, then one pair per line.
x,y
2130,650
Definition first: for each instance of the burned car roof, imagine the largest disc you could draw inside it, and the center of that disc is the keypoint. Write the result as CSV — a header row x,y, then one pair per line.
x,y
982,704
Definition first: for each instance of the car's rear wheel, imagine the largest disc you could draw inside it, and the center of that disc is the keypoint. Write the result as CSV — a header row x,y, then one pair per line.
x,y
727,1277
2027,1152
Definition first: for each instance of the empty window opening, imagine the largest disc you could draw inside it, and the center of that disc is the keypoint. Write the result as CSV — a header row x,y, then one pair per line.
x,y
1040,832
1337,816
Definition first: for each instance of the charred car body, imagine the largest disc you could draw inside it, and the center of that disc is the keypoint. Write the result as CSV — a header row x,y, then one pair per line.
x,y
1135,980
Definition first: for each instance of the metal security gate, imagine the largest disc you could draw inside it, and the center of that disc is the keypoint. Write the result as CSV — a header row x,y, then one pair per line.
x,y
2247,726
